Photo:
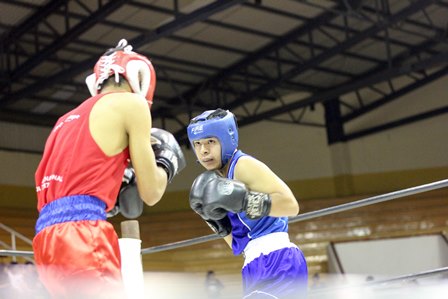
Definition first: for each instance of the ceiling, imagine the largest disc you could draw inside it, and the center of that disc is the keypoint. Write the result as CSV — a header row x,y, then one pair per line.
x,y
266,60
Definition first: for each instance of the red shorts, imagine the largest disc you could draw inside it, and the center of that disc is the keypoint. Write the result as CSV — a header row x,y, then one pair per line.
x,y
79,259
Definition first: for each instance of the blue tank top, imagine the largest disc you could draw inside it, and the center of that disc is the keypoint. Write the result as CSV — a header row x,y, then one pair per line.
x,y
245,229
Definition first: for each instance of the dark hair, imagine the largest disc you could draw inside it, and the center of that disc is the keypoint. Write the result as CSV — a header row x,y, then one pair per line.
x,y
111,51
111,82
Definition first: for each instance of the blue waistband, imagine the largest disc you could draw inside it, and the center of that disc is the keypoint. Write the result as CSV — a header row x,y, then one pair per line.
x,y
71,208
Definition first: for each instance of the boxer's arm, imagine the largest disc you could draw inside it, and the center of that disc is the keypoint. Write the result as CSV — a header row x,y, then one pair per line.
x,y
260,178
137,122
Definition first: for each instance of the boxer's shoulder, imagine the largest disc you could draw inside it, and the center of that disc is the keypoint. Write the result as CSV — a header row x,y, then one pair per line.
x,y
123,101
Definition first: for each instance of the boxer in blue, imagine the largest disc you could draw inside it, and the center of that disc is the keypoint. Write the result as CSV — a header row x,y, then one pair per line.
x,y
247,204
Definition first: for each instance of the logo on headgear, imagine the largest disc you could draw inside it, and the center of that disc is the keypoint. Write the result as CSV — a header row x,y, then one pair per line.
x,y
197,129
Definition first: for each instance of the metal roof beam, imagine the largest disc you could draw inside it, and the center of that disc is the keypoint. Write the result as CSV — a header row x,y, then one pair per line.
x,y
351,86
396,123
68,36
338,91
247,61
183,20
142,39
31,22
394,95
316,60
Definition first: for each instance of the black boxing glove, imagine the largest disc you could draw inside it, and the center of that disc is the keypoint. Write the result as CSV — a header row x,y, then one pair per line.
x,y
168,152
129,202
221,195
222,226
197,191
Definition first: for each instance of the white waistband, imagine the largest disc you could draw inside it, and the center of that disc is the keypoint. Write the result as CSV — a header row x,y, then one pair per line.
x,y
265,245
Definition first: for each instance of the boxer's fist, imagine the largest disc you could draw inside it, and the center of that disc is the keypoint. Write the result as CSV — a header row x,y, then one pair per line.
x,y
221,195
168,152
197,191
221,227
128,203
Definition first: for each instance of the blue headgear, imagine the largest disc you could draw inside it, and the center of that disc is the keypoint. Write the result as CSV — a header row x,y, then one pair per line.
x,y
220,124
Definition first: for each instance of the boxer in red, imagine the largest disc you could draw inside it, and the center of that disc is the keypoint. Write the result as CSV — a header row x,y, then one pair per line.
x,y
88,169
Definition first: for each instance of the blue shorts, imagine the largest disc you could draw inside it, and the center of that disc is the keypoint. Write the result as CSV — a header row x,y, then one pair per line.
x,y
274,273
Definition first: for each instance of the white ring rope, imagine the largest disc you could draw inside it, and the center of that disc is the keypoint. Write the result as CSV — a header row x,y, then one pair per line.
x,y
371,200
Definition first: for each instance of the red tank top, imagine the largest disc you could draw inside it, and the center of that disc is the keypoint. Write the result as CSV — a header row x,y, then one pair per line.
x,y
73,164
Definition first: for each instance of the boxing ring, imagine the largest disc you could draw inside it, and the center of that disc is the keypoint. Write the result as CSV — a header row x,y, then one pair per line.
x,y
331,292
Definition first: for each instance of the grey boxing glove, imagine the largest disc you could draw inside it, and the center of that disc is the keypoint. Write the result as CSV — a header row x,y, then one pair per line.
x,y
168,152
129,202
221,226
197,191
221,195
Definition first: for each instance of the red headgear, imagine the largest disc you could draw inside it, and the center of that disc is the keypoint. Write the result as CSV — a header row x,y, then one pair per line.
x,y
121,60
